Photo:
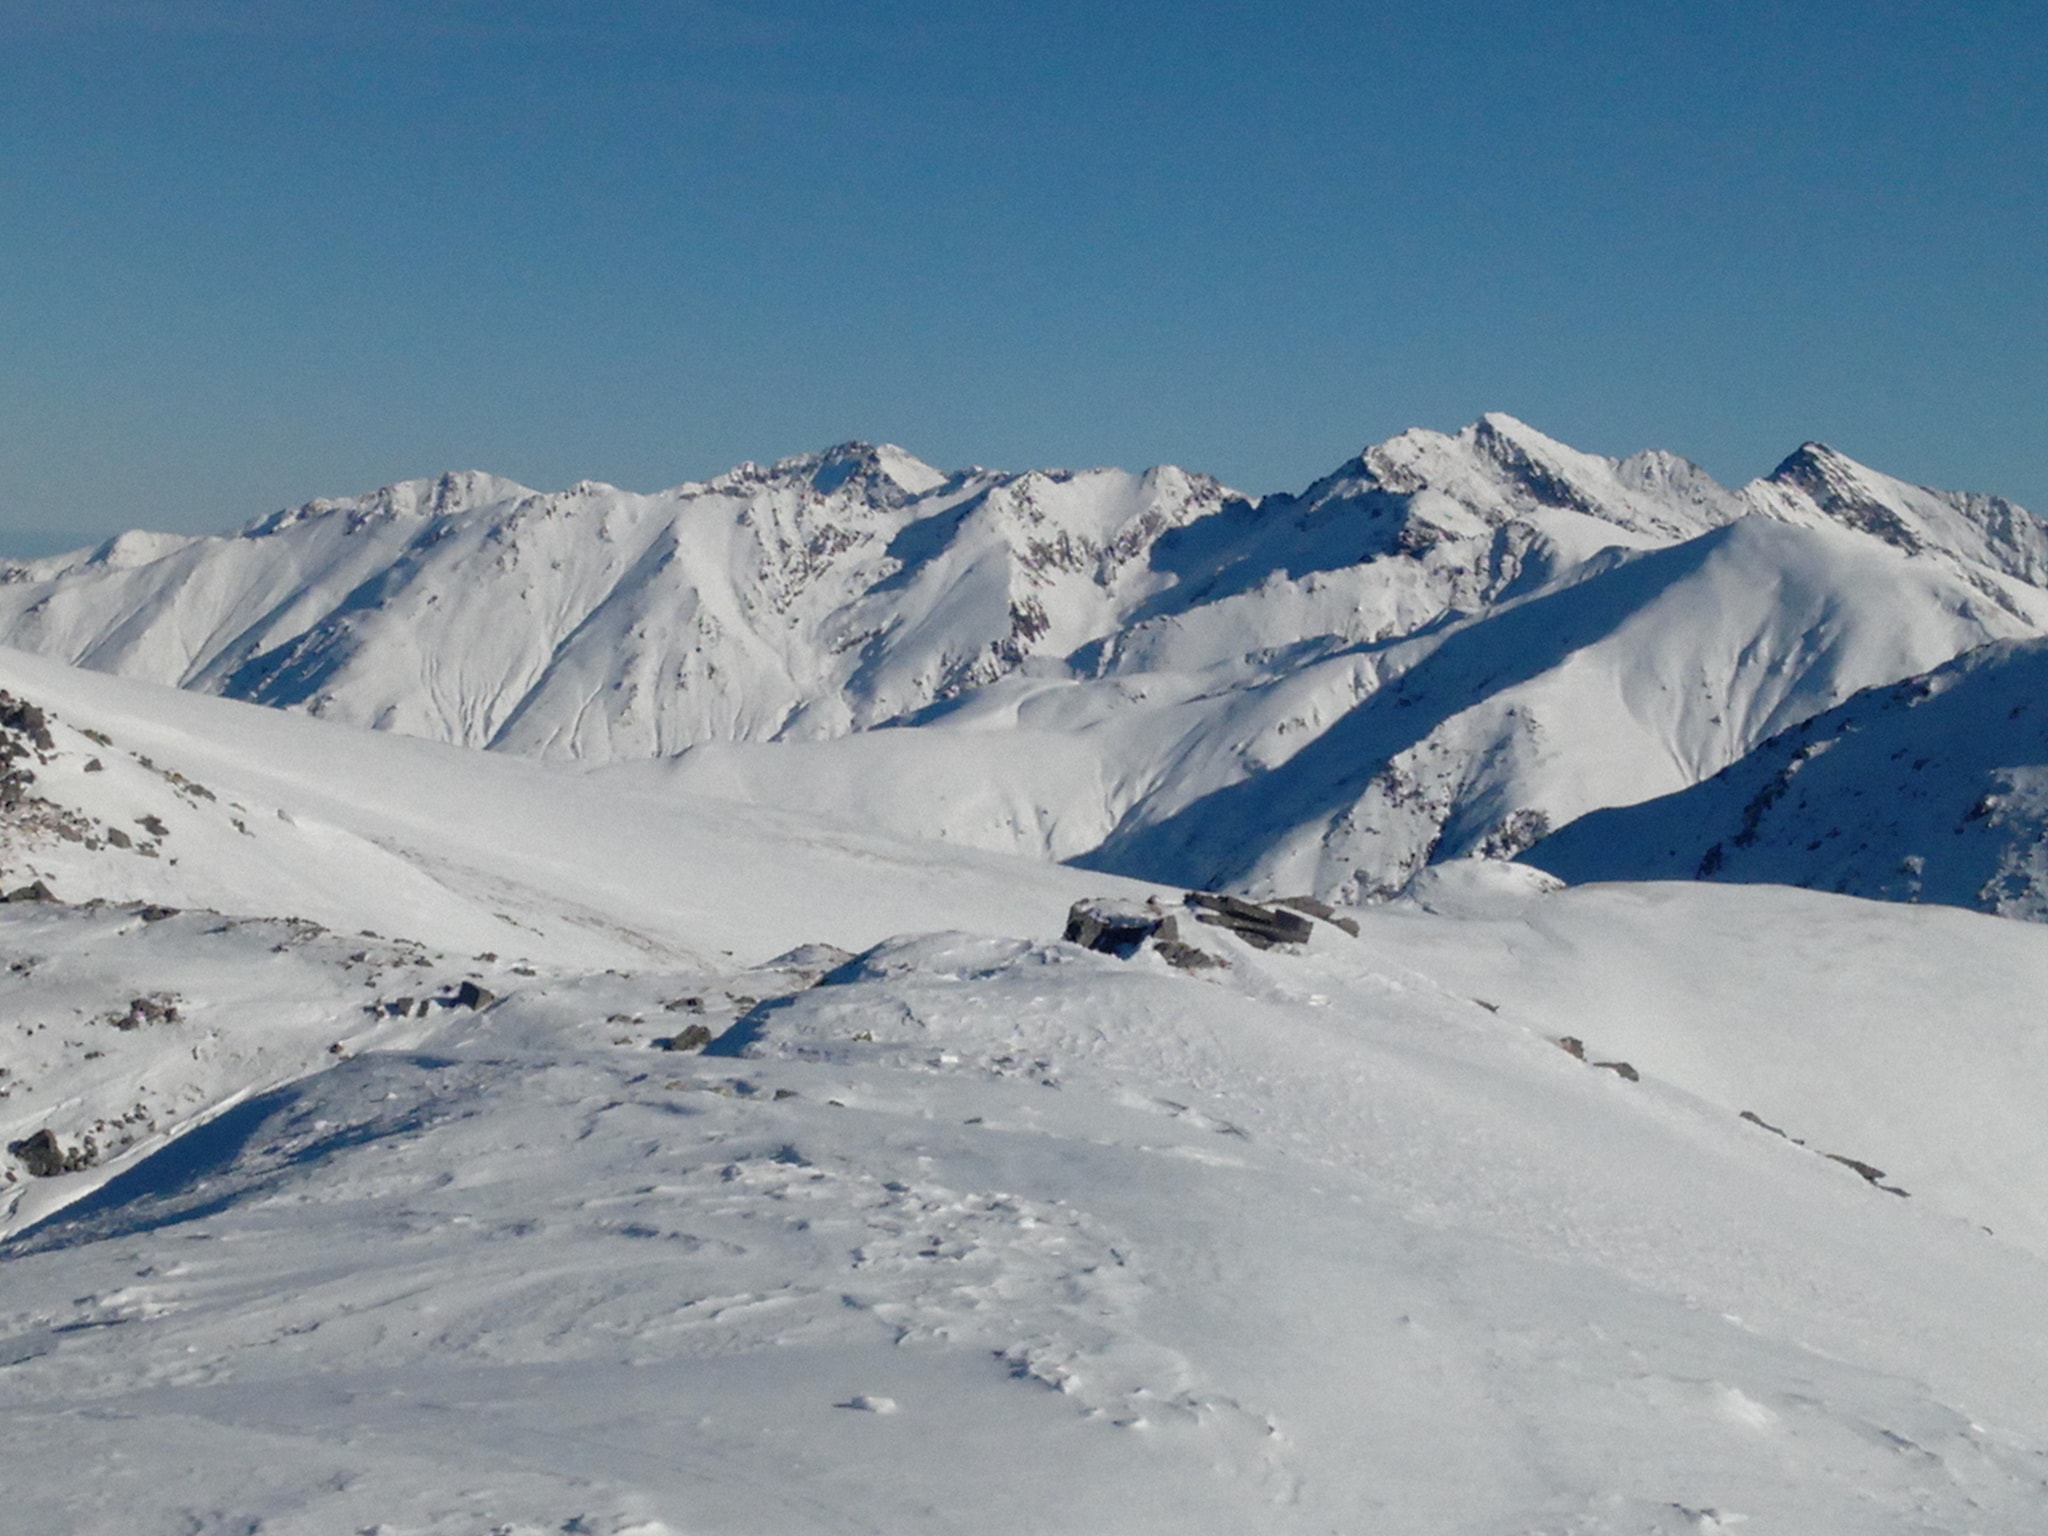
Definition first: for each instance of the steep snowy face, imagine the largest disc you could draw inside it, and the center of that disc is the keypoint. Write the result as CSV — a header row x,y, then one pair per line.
x,y
1934,789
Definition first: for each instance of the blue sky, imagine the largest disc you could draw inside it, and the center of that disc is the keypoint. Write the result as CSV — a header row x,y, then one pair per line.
x,y
256,252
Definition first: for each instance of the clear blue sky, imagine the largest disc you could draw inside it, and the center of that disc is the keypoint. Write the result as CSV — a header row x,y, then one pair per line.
x,y
256,252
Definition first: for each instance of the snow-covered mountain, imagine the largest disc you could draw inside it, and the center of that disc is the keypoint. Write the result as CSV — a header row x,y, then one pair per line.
x,y
1618,1210
1453,644
1934,789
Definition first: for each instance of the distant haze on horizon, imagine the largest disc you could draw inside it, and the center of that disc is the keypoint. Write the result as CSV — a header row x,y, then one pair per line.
x,y
253,253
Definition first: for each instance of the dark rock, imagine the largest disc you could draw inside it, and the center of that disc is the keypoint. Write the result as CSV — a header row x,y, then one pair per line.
x,y
1620,1069
156,914
153,825
37,892
44,1155
1112,927
22,716
1870,1175
94,765
1187,957
1322,909
157,1008
470,995
694,1038
119,839
41,1153
1261,927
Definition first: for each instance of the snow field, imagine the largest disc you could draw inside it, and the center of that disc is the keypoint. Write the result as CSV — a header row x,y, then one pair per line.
x,y
1315,1242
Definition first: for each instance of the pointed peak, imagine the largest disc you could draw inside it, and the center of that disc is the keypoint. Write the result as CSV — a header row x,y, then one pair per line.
x,y
1497,427
1827,475
1804,460
1504,424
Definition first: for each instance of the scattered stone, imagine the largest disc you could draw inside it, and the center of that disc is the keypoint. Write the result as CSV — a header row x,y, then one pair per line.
x,y
1187,957
1870,1175
94,765
153,825
1620,1069
37,892
156,1008
154,914
1261,927
1758,1120
694,1038
1572,1046
119,839
684,1005
470,995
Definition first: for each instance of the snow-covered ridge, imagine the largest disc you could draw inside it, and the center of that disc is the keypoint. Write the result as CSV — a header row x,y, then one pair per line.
x,y
1452,643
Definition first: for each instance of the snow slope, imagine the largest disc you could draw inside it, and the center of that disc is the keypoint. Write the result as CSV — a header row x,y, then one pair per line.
x,y
1935,789
988,1232
549,861
1454,643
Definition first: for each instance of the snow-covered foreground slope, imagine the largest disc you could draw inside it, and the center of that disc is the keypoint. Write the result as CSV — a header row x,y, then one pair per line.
x,y
1933,790
980,1230
1453,643
271,813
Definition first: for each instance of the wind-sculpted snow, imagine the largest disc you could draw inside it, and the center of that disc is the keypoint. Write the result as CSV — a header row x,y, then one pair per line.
x,y
1453,643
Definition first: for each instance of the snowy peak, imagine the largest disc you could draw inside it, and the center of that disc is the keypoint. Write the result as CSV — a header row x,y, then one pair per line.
x,y
1503,469
1817,484
875,473
1836,485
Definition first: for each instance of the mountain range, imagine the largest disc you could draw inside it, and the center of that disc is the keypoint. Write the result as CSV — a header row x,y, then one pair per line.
x,y
1453,645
